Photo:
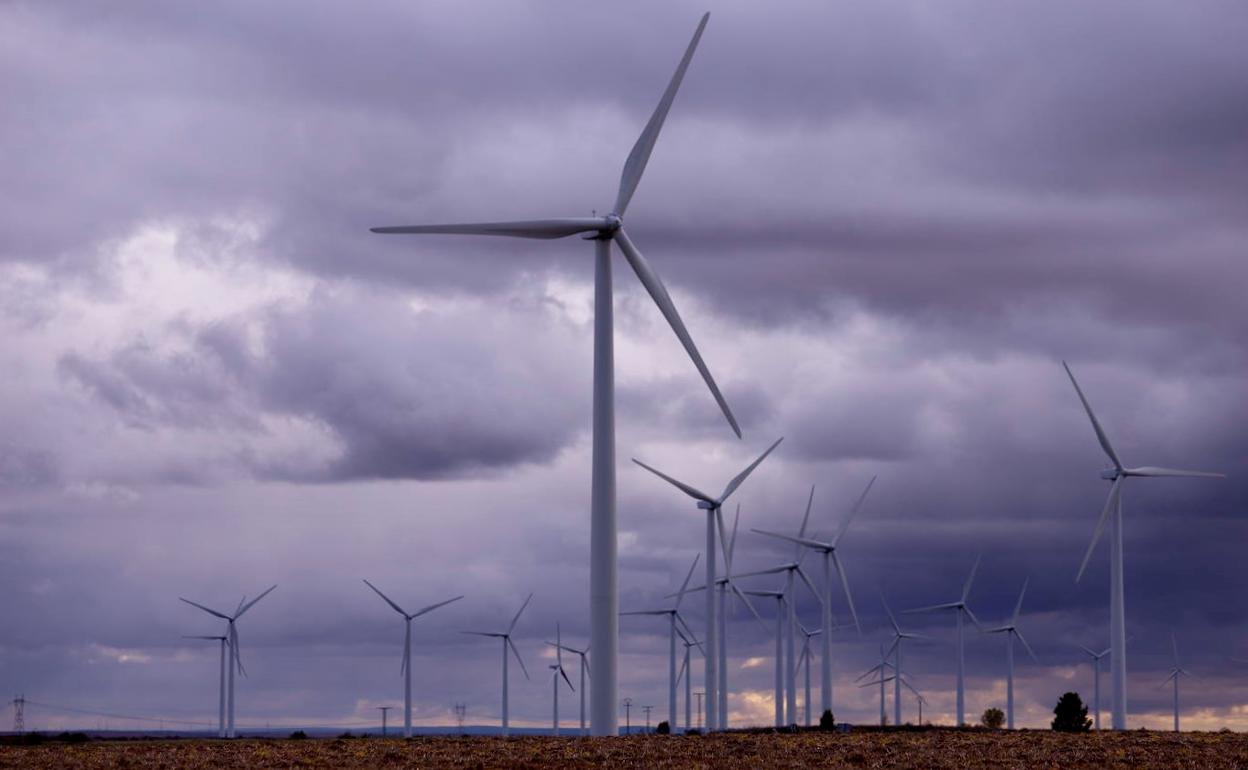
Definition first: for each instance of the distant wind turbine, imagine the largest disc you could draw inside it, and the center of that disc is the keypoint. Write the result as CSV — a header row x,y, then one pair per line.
x,y
673,617
221,696
779,687
1096,682
881,670
711,505
1113,510
960,608
507,644
405,668
723,585
1175,673
582,654
805,657
557,672
898,637
685,672
237,660
603,231
1010,629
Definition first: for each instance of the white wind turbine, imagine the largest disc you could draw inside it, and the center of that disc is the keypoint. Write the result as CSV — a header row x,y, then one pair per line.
x,y
556,672
225,643
1175,673
805,657
405,668
237,661
960,608
1010,629
603,231
687,674
898,680
881,670
712,506
1113,510
830,561
673,617
779,696
724,584
583,655
1096,682
507,644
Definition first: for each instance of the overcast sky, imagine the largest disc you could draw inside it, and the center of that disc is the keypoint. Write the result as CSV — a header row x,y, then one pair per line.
x,y
886,224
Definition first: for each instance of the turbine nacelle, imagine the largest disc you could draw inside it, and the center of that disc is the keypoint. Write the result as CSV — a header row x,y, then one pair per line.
x,y
1111,474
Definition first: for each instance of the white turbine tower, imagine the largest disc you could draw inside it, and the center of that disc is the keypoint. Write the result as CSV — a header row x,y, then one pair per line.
x,y
898,681
673,617
724,584
779,687
1010,629
556,672
603,231
507,644
804,657
405,668
1096,682
221,695
236,658
830,560
583,655
711,505
960,608
1113,510
1175,673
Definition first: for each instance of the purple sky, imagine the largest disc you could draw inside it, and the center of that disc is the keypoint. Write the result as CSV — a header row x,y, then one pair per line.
x,y
885,224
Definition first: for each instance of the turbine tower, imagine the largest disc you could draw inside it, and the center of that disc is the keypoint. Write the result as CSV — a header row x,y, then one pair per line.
x,y
405,668
507,644
805,657
673,617
780,600
556,672
236,661
711,505
830,560
723,585
584,671
960,609
221,695
1010,629
898,680
1096,682
1117,476
603,231
1175,673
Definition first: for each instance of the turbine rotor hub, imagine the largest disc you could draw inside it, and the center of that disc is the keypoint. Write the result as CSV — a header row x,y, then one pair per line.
x,y
613,223
1111,474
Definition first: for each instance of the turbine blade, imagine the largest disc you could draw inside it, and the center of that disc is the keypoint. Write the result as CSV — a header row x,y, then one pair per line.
x,y
236,650
516,652
749,605
1089,652
564,674
658,292
853,512
635,165
966,587
388,600
680,675
1100,525
971,615
407,648
516,619
809,584
1026,646
732,541
253,602
433,607
770,571
723,538
891,619
798,540
681,594
810,501
693,638
693,492
1096,425
210,611
740,477
933,608
491,634
849,599
1019,606
1149,470
545,229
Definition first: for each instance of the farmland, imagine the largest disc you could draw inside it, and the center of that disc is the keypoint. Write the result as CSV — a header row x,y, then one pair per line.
x,y
935,748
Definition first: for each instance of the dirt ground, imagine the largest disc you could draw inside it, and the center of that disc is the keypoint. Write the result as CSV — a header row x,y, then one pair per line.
x,y
918,749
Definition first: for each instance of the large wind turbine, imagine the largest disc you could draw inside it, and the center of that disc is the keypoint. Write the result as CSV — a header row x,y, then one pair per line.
x,y
1113,509
1175,673
221,696
556,672
898,637
507,643
1010,629
583,655
1096,682
673,617
603,231
712,506
405,668
236,658
830,560
960,608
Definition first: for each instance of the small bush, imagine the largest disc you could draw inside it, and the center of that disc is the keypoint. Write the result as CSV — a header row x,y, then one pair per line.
x,y
1070,715
992,718
664,728
298,735
827,721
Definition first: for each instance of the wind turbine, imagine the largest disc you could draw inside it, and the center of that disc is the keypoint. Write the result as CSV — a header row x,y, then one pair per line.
x,y
221,696
881,669
556,672
1010,629
1175,673
724,584
1113,509
688,641
960,608
1096,682
711,505
236,658
779,597
673,616
830,560
507,643
805,656
898,636
584,671
405,668
603,231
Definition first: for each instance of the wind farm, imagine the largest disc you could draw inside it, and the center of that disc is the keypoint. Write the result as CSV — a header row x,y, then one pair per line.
x,y
302,299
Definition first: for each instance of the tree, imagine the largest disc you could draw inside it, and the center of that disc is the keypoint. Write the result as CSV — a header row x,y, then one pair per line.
x,y
993,718
1070,715
664,728
827,721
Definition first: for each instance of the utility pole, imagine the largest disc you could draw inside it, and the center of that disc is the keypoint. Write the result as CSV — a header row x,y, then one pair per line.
x,y
19,714
699,694
628,706
461,709
384,711
647,710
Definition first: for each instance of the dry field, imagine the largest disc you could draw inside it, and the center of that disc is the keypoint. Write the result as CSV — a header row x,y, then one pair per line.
x,y
919,749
